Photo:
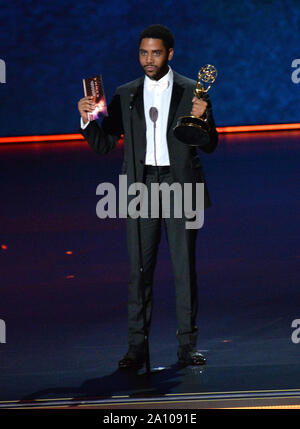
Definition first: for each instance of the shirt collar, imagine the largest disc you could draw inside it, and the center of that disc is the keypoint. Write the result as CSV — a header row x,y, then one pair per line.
x,y
164,82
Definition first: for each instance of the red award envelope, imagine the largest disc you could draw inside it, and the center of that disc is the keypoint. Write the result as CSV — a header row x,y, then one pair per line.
x,y
93,87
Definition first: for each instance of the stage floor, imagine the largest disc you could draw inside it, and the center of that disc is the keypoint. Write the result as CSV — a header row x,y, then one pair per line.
x,y
64,276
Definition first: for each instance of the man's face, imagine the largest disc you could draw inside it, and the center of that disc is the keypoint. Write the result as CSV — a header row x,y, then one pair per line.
x,y
154,58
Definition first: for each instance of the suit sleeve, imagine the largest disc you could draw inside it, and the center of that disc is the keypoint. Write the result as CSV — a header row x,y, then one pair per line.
x,y
104,138
213,134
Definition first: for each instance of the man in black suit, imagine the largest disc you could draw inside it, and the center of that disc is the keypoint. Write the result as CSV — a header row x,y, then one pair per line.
x,y
156,156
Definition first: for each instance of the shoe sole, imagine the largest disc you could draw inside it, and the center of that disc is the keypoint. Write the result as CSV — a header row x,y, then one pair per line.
x,y
192,363
132,367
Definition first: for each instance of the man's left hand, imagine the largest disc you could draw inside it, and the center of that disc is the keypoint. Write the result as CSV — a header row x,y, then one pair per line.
x,y
199,107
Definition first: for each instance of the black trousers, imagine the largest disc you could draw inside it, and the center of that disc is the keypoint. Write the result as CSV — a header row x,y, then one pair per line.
x,y
181,242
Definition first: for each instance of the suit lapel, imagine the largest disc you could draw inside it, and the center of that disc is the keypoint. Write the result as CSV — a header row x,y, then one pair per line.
x,y
177,93
139,128
139,101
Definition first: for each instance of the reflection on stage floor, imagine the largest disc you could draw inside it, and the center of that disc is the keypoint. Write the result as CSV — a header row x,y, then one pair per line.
x,y
64,275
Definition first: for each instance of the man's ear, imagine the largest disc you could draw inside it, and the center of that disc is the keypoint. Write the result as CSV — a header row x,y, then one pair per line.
x,y
171,53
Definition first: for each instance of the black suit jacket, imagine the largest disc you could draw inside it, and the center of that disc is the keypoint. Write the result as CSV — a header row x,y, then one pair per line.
x,y
126,116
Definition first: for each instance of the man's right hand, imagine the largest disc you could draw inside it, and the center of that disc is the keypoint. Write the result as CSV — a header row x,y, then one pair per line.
x,y
85,105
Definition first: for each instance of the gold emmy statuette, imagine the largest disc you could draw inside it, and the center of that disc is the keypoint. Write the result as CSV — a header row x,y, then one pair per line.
x,y
190,129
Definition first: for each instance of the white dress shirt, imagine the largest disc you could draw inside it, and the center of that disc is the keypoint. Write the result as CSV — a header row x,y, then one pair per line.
x,y
157,93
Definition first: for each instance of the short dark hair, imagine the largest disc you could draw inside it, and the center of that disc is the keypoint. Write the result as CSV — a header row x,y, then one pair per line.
x,y
157,31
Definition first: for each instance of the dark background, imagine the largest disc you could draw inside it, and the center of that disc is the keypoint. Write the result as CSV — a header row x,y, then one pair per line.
x,y
50,46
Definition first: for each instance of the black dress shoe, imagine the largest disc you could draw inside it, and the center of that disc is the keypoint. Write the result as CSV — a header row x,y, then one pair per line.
x,y
187,355
134,358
